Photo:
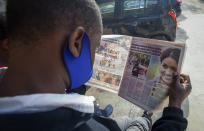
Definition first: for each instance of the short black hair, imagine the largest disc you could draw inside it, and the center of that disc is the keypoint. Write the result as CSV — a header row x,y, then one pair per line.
x,y
31,19
3,29
171,52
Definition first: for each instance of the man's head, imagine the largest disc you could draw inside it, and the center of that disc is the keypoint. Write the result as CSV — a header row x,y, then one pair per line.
x,y
38,30
33,20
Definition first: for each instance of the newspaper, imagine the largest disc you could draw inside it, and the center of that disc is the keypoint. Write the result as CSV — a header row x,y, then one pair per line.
x,y
140,70
109,63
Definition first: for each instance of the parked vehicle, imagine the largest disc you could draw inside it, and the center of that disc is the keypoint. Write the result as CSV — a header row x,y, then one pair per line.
x,y
143,18
176,5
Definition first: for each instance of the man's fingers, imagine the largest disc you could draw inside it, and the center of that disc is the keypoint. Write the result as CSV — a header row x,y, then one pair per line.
x,y
188,80
186,77
182,79
175,78
187,83
179,79
188,86
175,81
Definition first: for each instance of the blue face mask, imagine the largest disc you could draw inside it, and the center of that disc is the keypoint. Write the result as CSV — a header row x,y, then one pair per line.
x,y
79,68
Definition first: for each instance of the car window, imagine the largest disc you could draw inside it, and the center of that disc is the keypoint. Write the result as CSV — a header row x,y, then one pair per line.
x,y
133,4
2,6
107,7
150,3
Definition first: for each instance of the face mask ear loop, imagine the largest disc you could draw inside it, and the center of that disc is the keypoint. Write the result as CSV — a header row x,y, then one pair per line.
x,y
80,68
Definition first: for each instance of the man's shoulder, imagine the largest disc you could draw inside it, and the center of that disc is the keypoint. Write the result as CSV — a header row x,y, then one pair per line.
x,y
58,119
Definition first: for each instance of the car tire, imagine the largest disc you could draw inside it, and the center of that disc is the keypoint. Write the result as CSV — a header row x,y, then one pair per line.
x,y
160,37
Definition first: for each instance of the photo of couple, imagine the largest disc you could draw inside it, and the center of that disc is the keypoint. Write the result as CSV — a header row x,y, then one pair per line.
x,y
139,63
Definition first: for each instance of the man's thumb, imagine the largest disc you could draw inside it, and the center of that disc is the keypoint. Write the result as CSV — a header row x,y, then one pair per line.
x,y
176,80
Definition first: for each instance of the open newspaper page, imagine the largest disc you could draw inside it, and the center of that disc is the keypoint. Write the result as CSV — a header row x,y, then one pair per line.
x,y
110,60
149,71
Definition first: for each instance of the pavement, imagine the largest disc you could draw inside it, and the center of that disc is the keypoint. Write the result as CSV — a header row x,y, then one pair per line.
x,y
190,31
194,62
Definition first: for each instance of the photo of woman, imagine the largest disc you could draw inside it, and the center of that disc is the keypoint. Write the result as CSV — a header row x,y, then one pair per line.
x,y
169,60
169,66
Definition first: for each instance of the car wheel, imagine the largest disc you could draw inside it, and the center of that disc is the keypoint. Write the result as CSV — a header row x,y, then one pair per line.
x,y
160,37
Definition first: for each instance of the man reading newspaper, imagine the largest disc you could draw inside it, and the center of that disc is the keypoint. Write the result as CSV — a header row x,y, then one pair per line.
x,y
51,48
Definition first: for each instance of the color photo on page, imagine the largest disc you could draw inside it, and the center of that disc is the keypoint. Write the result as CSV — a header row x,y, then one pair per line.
x,y
137,67
109,64
138,64
149,71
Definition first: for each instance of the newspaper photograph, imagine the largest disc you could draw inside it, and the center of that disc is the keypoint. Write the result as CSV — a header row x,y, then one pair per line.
x,y
110,59
149,71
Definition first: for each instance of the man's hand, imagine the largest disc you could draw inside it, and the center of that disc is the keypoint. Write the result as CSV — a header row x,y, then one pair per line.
x,y
179,90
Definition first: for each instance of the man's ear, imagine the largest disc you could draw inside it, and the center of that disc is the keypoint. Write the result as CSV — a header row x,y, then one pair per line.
x,y
75,41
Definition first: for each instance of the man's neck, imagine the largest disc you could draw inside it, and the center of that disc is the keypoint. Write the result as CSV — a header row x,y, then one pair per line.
x,y
28,82
31,76
21,83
